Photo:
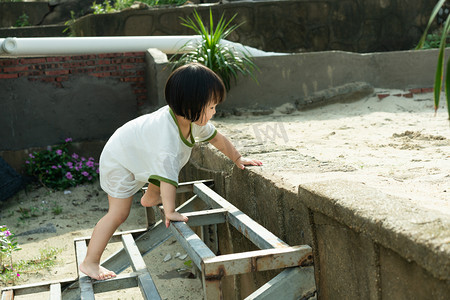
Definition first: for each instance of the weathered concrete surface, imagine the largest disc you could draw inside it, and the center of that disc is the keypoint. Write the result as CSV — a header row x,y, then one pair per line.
x,y
367,244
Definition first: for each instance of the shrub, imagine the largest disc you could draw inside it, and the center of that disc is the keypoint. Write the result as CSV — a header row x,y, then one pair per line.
x,y
56,168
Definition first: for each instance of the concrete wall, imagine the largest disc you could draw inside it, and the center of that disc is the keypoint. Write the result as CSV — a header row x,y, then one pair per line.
x,y
284,26
44,100
356,256
293,78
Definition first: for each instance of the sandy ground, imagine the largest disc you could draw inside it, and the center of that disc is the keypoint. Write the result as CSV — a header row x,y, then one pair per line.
x,y
395,144
81,209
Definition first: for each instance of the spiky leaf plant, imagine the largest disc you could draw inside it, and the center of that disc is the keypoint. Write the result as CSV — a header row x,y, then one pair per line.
x,y
439,77
223,59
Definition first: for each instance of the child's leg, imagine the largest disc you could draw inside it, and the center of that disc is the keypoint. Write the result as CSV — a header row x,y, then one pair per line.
x,y
118,212
168,194
152,196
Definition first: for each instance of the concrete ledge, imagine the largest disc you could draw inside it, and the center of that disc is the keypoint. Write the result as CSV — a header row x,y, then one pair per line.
x,y
367,244
416,235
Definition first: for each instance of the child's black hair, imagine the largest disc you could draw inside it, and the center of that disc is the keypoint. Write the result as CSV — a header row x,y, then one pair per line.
x,y
190,88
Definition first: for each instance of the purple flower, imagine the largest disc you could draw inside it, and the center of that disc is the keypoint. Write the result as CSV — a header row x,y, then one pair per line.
x,y
97,171
59,152
90,178
90,164
18,275
83,159
69,175
75,156
84,173
31,155
68,140
70,165
27,161
7,233
54,167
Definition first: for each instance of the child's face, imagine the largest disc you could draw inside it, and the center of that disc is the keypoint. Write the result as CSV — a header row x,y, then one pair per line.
x,y
208,112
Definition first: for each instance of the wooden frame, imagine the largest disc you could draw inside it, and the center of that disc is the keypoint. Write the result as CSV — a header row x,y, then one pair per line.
x,y
273,254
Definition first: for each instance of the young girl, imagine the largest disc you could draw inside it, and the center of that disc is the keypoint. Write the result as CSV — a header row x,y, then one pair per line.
x,y
152,149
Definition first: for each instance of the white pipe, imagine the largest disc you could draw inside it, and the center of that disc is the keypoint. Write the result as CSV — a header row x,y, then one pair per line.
x,y
93,45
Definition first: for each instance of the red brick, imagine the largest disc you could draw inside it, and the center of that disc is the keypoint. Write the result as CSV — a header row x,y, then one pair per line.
x,y
416,90
127,66
47,79
134,54
397,95
7,76
408,95
382,96
427,90
103,62
104,74
25,61
56,72
15,69
8,62
56,58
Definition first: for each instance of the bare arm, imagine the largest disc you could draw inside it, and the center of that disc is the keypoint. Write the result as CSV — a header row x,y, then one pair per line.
x,y
226,147
168,194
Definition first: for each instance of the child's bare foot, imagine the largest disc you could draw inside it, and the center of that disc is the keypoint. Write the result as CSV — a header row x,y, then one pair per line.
x,y
96,271
151,199
174,216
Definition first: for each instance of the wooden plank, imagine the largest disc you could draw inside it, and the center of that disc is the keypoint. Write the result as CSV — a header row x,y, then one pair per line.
x,y
194,246
212,289
39,287
137,262
256,233
117,236
55,291
8,295
206,217
260,260
147,287
123,281
292,283
85,282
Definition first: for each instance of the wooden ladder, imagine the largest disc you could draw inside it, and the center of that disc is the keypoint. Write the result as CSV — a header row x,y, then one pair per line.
x,y
296,281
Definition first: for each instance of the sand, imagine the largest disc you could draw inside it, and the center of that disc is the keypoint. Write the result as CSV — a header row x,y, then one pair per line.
x,y
394,144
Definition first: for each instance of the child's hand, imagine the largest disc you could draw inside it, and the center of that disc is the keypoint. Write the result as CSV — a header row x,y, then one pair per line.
x,y
241,162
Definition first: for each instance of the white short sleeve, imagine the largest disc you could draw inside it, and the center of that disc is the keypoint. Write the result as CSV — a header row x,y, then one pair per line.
x,y
203,133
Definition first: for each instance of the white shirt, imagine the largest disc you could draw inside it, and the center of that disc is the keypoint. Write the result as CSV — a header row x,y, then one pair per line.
x,y
153,148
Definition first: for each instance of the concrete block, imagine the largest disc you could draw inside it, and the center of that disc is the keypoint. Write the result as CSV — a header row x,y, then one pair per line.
x,y
405,280
348,261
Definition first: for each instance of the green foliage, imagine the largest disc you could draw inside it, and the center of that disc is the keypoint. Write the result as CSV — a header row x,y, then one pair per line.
x,y
55,168
22,21
119,5
10,271
433,41
8,245
69,24
439,77
223,59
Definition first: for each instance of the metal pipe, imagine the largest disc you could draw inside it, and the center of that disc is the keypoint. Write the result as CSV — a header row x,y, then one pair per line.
x,y
12,46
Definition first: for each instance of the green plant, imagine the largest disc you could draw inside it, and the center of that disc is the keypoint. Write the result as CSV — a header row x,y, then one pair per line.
x,y
57,169
439,77
8,245
22,21
223,59
119,5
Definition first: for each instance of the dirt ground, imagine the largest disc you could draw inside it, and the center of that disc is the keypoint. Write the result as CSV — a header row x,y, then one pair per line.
x,y
82,207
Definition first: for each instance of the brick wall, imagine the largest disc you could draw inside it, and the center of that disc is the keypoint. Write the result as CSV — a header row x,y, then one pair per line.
x,y
123,67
